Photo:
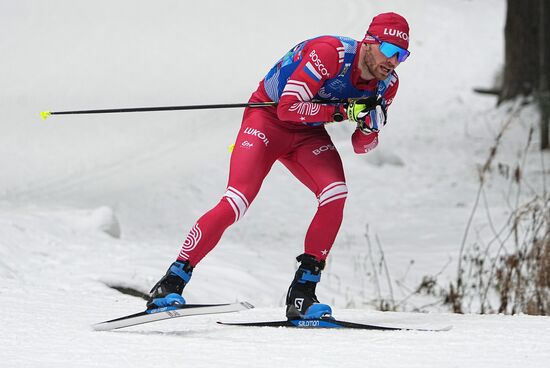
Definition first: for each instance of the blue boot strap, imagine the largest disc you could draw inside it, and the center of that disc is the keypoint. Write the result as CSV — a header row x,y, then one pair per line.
x,y
177,269
308,276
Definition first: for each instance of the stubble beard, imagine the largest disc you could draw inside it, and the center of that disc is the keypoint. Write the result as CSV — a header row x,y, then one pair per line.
x,y
371,65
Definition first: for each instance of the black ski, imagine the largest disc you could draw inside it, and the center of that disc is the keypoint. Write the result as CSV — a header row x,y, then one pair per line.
x,y
329,323
152,315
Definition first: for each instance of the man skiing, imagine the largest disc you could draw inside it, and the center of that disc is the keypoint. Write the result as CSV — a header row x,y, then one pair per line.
x,y
321,80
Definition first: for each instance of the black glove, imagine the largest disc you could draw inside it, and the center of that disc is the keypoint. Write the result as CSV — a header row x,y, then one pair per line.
x,y
369,113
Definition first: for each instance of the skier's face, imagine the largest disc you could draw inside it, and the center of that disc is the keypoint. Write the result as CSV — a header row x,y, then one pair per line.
x,y
375,64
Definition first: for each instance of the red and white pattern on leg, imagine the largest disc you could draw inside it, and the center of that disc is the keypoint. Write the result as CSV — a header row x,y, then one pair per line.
x,y
333,192
190,242
238,202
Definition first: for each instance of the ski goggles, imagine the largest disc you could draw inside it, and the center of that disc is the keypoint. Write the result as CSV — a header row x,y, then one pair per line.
x,y
389,49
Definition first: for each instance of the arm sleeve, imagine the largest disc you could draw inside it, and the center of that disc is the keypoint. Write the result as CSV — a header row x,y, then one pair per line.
x,y
321,60
362,142
390,93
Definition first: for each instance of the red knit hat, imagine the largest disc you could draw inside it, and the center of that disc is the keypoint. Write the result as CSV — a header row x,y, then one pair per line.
x,y
389,27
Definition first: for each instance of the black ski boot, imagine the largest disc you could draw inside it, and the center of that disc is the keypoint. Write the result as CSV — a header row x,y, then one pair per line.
x,y
167,292
301,301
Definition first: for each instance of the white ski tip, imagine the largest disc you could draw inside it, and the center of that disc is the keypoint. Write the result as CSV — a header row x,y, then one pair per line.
x,y
102,327
247,305
164,313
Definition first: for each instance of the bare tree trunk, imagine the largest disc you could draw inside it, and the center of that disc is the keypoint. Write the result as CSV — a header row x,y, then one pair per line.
x,y
521,57
527,56
544,77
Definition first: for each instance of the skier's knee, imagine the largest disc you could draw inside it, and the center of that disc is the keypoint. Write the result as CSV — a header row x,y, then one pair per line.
x,y
332,192
238,202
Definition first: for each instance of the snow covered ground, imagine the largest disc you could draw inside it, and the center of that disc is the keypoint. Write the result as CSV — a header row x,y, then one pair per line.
x,y
92,201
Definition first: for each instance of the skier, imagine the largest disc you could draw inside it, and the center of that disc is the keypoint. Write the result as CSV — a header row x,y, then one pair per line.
x,y
303,83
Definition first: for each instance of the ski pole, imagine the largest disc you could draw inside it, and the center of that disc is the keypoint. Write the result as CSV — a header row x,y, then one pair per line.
x,y
46,114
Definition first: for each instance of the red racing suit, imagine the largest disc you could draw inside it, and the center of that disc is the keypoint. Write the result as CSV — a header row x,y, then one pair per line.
x,y
320,69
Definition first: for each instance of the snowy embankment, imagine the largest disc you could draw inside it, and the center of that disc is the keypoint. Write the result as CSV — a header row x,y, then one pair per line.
x,y
92,201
